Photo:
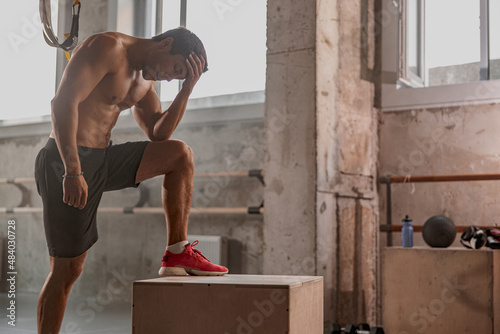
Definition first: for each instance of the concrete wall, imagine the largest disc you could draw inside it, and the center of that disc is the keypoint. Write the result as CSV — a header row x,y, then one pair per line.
x,y
448,75
131,246
321,207
318,143
96,16
459,140
225,134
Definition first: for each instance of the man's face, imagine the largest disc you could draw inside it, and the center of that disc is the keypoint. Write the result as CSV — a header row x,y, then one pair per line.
x,y
165,66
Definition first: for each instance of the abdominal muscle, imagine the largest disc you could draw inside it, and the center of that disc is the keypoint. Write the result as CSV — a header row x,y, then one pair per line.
x,y
94,126
95,131
97,115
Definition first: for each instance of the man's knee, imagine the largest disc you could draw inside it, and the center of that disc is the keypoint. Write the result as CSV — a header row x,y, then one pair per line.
x,y
74,271
68,270
185,155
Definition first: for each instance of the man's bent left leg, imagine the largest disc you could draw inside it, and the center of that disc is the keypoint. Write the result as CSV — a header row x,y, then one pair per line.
x,y
174,159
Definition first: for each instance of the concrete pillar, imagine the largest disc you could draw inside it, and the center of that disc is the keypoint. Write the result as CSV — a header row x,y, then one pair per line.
x,y
290,120
320,216
95,16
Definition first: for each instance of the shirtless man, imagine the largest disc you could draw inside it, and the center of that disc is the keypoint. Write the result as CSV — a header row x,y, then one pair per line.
x,y
108,73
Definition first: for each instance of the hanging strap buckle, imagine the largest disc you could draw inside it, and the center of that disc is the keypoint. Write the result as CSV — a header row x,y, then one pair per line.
x,y
76,9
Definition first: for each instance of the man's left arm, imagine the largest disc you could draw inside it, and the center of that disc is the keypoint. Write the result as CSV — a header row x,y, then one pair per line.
x,y
158,125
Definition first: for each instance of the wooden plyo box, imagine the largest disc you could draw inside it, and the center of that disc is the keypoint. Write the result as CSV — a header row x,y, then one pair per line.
x,y
230,304
432,290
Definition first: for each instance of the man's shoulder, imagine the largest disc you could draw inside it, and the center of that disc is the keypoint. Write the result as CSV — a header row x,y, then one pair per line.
x,y
105,44
105,41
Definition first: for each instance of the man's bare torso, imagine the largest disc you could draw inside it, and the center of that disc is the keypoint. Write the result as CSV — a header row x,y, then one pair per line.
x,y
118,90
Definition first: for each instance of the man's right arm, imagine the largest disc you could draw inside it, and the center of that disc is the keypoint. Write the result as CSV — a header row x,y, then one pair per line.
x,y
88,65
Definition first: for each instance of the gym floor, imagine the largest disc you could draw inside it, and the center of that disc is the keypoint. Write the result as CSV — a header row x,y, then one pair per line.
x,y
80,318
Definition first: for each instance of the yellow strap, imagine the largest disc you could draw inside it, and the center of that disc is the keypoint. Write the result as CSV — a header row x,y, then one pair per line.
x,y
66,53
48,33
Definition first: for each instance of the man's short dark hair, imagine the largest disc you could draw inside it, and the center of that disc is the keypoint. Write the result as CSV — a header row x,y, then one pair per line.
x,y
185,43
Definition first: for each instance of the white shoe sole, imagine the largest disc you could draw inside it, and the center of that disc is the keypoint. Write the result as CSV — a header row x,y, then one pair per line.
x,y
180,271
172,271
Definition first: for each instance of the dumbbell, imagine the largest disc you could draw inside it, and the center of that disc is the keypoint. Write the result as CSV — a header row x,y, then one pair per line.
x,y
365,329
353,329
473,237
335,329
493,240
349,329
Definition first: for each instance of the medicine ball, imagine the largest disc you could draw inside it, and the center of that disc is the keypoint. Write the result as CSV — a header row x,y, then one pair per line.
x,y
439,231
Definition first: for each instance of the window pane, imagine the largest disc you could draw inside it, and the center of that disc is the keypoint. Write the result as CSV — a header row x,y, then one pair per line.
x,y
494,39
29,63
234,35
452,41
171,18
412,37
125,17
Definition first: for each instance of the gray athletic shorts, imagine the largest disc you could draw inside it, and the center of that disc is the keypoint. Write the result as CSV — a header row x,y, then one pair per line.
x,y
70,231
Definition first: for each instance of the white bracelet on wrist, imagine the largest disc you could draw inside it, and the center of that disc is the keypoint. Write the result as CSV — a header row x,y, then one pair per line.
x,y
72,176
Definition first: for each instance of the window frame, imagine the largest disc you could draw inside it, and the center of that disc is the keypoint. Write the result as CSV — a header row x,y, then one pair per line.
x,y
394,97
406,78
151,10
484,64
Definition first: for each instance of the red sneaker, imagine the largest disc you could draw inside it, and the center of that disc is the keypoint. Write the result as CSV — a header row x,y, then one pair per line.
x,y
190,261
